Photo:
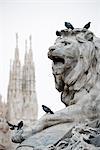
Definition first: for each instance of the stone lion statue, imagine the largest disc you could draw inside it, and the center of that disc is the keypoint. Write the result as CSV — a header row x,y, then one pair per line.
x,y
75,59
76,69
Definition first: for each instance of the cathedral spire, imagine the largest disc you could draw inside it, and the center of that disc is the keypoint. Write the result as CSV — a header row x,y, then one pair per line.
x,y
17,40
21,87
10,69
10,64
30,38
26,56
16,49
30,50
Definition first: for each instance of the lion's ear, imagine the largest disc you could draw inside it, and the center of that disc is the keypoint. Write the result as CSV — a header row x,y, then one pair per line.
x,y
89,36
80,38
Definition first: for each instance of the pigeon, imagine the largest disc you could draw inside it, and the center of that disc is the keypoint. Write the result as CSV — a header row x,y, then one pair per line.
x,y
87,26
11,126
58,33
20,125
47,110
69,25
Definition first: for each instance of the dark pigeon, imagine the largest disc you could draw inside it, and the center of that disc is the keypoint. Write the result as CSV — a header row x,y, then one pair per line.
x,y
11,126
47,110
20,125
87,26
69,25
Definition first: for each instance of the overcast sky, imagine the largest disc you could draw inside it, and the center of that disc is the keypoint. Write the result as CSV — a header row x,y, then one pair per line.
x,y
41,19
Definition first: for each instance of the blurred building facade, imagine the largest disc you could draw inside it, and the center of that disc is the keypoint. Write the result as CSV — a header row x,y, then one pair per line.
x,y
21,97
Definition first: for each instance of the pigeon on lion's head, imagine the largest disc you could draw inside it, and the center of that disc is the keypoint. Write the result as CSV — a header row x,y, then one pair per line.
x,y
76,68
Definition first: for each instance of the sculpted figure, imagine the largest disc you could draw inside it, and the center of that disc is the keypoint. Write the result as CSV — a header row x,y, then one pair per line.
x,y
75,59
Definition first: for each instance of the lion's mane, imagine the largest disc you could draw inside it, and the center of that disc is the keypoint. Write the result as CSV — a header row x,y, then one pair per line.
x,y
86,73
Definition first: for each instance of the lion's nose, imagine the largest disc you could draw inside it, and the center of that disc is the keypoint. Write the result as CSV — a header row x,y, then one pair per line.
x,y
52,48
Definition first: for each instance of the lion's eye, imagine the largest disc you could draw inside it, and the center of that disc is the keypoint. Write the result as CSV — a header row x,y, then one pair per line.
x,y
65,42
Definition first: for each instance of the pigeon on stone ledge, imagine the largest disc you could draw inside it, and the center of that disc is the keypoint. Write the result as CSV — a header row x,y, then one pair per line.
x,y
69,25
20,125
47,110
12,127
87,26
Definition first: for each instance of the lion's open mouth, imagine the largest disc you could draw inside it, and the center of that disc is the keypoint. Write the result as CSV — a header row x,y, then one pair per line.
x,y
57,59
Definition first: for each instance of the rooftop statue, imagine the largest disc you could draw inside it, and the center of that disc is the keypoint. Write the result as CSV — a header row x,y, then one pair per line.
x,y
75,59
